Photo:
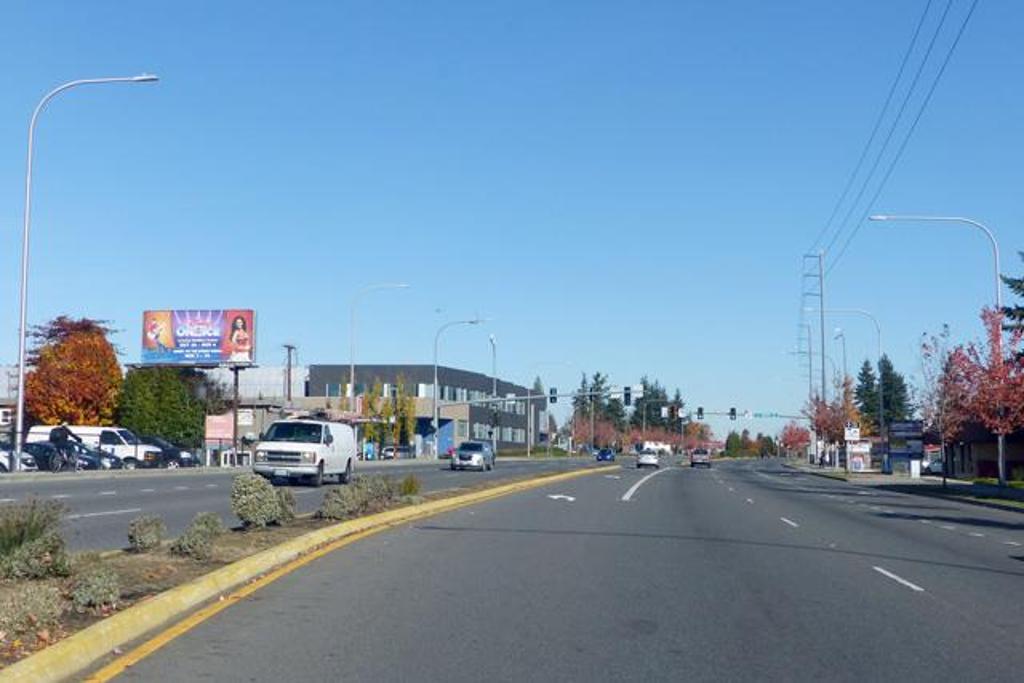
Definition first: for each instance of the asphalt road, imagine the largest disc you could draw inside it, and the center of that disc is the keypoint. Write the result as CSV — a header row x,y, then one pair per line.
x,y
744,572
100,507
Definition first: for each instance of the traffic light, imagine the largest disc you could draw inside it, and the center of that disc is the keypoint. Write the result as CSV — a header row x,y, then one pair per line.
x,y
627,395
552,395
732,413
700,412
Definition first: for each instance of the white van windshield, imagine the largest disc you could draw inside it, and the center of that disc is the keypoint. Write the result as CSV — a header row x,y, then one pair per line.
x,y
128,436
300,432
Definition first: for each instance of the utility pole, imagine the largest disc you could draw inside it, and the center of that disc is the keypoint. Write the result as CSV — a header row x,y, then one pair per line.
x,y
290,348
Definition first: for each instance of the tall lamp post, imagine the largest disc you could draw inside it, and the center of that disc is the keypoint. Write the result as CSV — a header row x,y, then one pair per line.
x,y
842,335
23,310
494,393
1000,438
437,340
352,337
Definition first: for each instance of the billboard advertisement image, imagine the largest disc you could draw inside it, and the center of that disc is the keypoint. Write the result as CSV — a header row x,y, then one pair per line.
x,y
199,337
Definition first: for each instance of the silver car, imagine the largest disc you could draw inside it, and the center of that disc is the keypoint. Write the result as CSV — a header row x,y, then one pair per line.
x,y
648,458
473,454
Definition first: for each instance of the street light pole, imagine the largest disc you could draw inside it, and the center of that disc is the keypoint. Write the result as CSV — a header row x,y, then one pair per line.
x,y
1000,438
437,339
842,335
23,308
352,338
494,393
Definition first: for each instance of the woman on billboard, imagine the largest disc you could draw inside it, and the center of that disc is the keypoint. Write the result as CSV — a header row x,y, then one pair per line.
x,y
240,341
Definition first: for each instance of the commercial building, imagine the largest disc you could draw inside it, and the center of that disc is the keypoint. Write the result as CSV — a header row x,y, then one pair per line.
x,y
463,414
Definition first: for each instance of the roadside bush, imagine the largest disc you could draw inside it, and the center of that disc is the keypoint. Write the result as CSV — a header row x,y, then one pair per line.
x,y
31,545
97,587
32,607
254,501
197,540
145,533
341,503
368,493
410,486
286,501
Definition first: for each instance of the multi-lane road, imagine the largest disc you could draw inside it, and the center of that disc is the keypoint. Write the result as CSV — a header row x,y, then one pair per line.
x,y
100,505
748,571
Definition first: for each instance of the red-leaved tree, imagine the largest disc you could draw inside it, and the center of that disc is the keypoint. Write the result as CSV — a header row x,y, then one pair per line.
x,y
988,379
794,437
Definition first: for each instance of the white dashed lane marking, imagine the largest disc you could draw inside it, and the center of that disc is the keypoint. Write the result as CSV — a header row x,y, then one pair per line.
x,y
898,579
789,522
108,493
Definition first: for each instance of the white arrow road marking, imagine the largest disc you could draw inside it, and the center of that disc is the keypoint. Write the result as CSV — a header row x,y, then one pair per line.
x,y
560,496
83,515
789,522
634,487
900,580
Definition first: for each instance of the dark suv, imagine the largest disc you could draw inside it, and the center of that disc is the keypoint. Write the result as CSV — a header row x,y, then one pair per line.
x,y
169,457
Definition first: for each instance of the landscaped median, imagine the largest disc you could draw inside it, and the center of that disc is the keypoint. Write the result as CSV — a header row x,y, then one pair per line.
x,y
84,649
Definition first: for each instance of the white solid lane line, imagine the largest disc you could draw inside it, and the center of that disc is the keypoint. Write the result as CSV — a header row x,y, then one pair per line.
x,y
634,487
83,515
898,579
789,522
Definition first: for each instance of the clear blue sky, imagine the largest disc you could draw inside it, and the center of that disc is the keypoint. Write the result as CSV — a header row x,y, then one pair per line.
x,y
622,186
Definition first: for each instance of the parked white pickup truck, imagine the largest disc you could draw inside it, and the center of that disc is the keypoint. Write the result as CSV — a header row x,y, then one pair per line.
x,y
306,449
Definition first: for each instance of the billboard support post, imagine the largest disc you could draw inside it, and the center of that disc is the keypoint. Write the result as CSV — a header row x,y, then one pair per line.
x,y
235,369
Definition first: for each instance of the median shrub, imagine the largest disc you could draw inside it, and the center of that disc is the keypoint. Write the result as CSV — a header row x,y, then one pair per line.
x,y
286,501
145,533
98,588
410,486
368,493
254,501
197,540
31,545
30,608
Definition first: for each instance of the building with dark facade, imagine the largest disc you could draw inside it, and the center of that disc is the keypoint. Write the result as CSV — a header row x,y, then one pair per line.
x,y
461,419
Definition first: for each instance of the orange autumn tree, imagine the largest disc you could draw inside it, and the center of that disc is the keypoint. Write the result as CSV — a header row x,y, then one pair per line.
x,y
75,376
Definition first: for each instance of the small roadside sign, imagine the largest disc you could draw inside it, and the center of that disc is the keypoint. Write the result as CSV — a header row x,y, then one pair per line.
x,y
851,432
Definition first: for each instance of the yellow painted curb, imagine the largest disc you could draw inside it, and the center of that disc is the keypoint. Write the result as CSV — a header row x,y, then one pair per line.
x,y
78,652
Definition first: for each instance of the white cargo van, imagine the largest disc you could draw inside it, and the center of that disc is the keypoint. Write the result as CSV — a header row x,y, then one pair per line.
x,y
306,449
117,440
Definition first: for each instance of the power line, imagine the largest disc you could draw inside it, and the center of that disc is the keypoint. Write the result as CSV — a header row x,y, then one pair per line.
x,y
910,133
874,130
894,126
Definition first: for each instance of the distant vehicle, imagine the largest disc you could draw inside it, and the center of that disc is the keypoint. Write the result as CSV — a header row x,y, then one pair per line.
x,y
169,457
700,456
27,464
117,440
306,449
94,459
659,447
44,454
932,467
647,458
395,452
606,454
475,454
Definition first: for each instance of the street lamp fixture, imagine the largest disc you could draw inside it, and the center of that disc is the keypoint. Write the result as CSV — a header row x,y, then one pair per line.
x,y
437,340
26,228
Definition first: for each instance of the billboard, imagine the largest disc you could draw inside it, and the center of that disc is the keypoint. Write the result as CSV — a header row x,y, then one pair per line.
x,y
199,337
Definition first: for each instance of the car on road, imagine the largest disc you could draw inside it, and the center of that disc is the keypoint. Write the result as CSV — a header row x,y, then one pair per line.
x,y
306,449
43,452
117,440
474,454
168,457
605,455
27,464
395,452
931,467
700,456
648,457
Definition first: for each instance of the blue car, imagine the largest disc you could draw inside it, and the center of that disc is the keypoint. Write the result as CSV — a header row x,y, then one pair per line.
x,y
606,455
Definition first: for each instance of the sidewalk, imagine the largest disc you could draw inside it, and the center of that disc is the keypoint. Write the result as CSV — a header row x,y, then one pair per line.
x,y
986,495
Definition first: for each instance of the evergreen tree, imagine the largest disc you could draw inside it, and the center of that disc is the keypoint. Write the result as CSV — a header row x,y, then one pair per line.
x,y
653,399
160,401
896,399
581,402
615,413
733,445
866,398
1014,314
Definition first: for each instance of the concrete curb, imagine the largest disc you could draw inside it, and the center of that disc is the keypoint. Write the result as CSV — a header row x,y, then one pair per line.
x,y
929,493
78,652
